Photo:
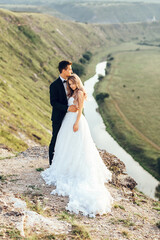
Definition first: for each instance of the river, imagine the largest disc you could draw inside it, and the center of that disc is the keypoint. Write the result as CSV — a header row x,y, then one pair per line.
x,y
103,140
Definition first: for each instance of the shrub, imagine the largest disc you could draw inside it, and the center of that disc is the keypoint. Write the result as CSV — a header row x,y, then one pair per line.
x,y
136,149
87,55
157,193
108,64
101,96
158,224
158,164
109,57
78,69
100,77
82,60
80,232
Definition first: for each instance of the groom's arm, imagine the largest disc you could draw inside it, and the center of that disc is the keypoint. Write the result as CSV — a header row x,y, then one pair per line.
x,y
54,100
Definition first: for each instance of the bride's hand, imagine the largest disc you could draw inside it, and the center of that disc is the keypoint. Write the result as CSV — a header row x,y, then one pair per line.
x,y
72,108
75,127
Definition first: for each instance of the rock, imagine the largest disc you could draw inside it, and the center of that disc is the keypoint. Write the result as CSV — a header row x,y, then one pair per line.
x,y
19,204
14,213
119,176
112,162
35,221
24,182
117,166
126,181
22,218
35,152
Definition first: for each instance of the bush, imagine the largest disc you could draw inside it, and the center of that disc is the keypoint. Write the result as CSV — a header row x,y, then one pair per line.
x,y
157,193
158,224
78,69
158,165
109,57
108,64
136,149
100,77
101,96
82,60
87,55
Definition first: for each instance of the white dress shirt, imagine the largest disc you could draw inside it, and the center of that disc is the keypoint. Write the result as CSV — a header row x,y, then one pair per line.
x,y
64,84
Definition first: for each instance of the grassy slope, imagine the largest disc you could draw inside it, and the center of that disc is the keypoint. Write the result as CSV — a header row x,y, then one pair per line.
x,y
31,47
136,104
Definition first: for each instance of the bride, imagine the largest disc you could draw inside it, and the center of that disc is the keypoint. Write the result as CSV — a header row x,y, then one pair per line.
x,y
77,170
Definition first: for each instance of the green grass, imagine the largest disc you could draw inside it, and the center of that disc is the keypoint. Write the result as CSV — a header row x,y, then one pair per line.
x,y
39,169
34,203
131,112
127,222
3,178
79,232
31,47
119,206
139,72
65,216
13,233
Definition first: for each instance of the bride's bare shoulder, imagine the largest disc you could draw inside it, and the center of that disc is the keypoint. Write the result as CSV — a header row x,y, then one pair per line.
x,y
80,93
80,96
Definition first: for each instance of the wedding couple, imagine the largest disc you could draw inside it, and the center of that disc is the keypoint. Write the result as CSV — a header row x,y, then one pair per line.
x,y
76,168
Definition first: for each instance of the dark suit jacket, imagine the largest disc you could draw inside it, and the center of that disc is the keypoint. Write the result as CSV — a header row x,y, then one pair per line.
x,y
58,100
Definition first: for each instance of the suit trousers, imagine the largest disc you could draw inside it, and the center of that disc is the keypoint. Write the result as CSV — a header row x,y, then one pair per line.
x,y
55,130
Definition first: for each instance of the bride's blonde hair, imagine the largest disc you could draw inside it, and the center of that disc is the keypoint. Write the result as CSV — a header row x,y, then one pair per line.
x,y
76,80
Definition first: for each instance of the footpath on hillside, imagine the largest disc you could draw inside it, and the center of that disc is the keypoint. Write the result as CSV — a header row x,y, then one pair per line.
x,y
29,211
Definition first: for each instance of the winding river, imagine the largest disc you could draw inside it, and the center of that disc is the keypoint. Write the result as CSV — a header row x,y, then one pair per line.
x,y
103,140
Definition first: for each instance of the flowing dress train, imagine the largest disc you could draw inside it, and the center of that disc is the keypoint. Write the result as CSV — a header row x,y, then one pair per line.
x,y
77,169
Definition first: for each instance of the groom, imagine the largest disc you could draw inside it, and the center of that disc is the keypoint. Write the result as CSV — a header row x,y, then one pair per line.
x,y
59,102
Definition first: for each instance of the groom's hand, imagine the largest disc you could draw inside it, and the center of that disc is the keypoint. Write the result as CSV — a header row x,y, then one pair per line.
x,y
72,108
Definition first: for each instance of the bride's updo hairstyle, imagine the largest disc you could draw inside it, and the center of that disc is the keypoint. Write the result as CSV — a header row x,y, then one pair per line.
x,y
77,81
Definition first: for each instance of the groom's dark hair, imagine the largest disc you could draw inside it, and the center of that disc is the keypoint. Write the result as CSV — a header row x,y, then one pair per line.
x,y
63,65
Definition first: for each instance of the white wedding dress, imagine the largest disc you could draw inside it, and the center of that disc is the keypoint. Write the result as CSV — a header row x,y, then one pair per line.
x,y
77,169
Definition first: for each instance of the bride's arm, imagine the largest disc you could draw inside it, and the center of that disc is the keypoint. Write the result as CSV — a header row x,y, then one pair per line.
x,y
80,109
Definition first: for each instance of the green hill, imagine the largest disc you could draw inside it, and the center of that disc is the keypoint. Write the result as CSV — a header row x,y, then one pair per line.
x,y
30,48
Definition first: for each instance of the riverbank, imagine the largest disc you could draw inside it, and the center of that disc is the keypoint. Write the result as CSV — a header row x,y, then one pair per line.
x,y
29,211
103,140
126,109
